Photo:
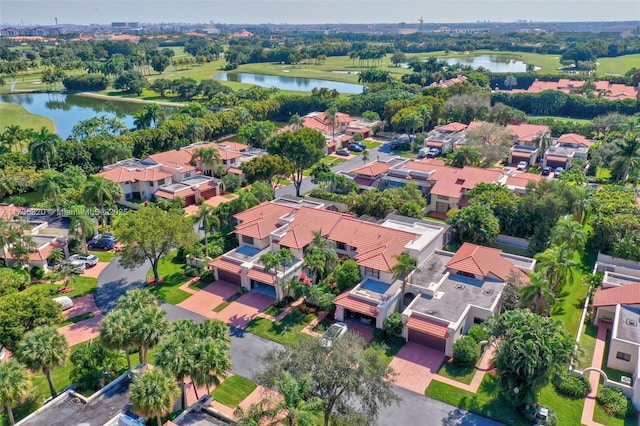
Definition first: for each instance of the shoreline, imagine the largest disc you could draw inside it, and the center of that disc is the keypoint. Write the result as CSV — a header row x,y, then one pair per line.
x,y
133,100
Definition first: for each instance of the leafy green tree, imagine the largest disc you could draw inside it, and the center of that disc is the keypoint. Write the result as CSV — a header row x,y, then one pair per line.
x,y
277,262
555,263
43,348
231,182
15,384
43,147
13,280
303,148
530,350
256,133
570,233
466,352
352,380
267,168
374,203
49,186
492,141
538,296
93,363
346,274
22,312
398,58
475,223
628,154
464,156
150,234
99,192
153,394
405,265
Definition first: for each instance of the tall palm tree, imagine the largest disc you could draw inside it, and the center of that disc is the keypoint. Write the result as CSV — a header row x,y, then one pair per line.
x,y
153,394
274,261
555,263
136,299
295,122
99,191
49,186
331,118
148,324
538,295
155,114
209,222
176,357
569,232
543,140
43,146
425,113
212,362
115,333
401,271
43,348
365,156
628,154
195,131
206,157
14,385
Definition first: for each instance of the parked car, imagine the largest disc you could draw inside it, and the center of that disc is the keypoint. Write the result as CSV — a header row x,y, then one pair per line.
x,y
101,243
65,302
332,334
360,144
523,165
558,171
546,171
80,264
423,152
433,153
88,259
343,152
355,148
105,236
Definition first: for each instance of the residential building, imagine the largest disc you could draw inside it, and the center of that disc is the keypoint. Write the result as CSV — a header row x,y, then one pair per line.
x,y
138,180
341,133
603,89
565,149
370,175
445,137
527,134
191,189
450,292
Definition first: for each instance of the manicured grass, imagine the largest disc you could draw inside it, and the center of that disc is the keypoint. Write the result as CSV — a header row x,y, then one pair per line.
x,y
568,308
486,402
459,374
16,115
81,287
618,65
273,311
568,411
76,319
601,416
611,373
226,303
371,144
60,376
559,118
286,331
198,285
233,391
587,346
389,352
172,274
105,256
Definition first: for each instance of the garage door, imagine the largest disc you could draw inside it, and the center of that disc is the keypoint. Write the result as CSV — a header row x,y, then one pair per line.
x,y
427,339
229,277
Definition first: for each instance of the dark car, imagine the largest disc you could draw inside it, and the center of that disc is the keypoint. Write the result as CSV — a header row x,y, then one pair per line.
x,y
101,243
546,171
343,152
355,148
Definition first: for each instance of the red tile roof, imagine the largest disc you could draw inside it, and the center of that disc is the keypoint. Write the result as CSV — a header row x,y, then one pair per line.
x,y
261,220
527,132
349,301
482,261
453,182
373,169
428,326
522,179
476,125
307,220
628,294
557,158
574,139
123,174
175,159
9,212
261,276
226,265
452,127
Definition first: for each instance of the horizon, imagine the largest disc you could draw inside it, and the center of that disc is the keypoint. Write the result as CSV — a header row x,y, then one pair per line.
x,y
333,12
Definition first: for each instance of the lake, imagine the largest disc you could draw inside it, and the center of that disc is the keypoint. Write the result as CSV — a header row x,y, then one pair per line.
x,y
494,63
67,110
288,83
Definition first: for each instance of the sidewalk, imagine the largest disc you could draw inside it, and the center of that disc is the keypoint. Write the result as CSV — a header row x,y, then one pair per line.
x,y
594,377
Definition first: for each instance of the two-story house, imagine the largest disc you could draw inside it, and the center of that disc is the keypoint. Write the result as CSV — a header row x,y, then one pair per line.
x,y
565,149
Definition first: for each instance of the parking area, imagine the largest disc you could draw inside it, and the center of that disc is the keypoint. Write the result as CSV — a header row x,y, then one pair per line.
x,y
94,271
244,309
204,301
416,365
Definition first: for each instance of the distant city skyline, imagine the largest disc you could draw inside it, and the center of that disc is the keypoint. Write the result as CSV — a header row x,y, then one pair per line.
x,y
84,12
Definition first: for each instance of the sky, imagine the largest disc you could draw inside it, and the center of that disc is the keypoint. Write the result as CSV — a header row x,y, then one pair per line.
x,y
44,12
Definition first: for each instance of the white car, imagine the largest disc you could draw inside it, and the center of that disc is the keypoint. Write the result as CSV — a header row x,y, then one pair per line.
x,y
523,165
334,332
65,302
80,264
88,259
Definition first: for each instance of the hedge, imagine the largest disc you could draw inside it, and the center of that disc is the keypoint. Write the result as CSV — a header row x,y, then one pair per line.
x,y
571,386
615,403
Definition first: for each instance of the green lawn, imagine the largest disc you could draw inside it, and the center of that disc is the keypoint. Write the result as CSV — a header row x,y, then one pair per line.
x,y
390,351
233,391
559,118
602,417
459,374
76,319
286,331
371,144
172,274
587,346
198,285
618,65
273,311
568,308
105,256
569,411
81,287
486,402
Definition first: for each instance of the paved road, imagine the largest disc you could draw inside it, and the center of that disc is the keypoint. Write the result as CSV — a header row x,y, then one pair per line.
x,y
380,153
247,348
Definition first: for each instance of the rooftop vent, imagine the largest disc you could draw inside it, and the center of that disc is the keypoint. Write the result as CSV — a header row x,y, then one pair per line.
x,y
433,312
488,292
631,322
460,286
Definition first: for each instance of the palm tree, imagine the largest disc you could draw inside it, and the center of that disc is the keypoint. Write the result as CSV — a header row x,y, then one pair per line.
x,y
69,272
14,385
537,295
153,394
401,271
628,154
212,362
43,348
569,232
365,156
543,140
136,299
555,263
154,113
331,118
115,333
195,131
147,325
56,256
43,146
206,157
209,222
176,357
411,123
49,186
93,362
277,260
295,122
100,191
81,226
425,113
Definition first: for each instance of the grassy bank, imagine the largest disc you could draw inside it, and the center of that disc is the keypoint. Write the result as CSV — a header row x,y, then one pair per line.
x,y
15,115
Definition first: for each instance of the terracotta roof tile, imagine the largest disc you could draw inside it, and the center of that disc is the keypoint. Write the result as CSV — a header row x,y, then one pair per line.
x,y
349,301
226,265
527,132
482,261
123,174
375,168
628,294
452,127
574,139
307,220
261,220
428,326
261,276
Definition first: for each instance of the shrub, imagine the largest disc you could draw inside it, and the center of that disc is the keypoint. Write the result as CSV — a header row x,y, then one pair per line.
x,y
13,280
208,277
18,201
615,403
192,271
37,272
466,352
478,333
571,386
393,326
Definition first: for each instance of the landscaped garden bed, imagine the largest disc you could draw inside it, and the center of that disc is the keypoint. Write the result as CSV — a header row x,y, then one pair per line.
x,y
286,331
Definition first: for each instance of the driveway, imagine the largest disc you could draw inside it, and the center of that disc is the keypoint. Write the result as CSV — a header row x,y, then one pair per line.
x,y
244,309
82,331
96,270
204,301
415,365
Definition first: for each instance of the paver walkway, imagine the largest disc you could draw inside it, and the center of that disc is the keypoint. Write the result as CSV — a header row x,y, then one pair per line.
x,y
82,305
96,270
594,377
362,330
204,301
415,366
85,330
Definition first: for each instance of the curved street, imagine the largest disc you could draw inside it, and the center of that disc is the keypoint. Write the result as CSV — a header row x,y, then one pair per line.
x,y
247,348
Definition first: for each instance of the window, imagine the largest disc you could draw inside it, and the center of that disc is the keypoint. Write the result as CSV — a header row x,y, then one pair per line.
x,y
465,274
341,246
623,356
247,240
374,273
188,174
477,320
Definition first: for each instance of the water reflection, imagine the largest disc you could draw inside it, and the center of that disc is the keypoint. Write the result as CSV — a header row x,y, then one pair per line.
x,y
288,83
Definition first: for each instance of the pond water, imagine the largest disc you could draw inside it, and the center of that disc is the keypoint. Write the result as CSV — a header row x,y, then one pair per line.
x,y
494,63
288,83
67,110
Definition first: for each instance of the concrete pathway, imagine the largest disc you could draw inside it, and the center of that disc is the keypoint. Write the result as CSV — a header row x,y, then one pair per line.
x,y
415,366
594,377
82,331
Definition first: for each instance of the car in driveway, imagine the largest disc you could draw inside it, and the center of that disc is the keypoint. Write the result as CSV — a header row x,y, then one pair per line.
x,y
332,334
101,243
81,265
355,148
105,236
522,165
342,152
546,171
558,171
88,259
